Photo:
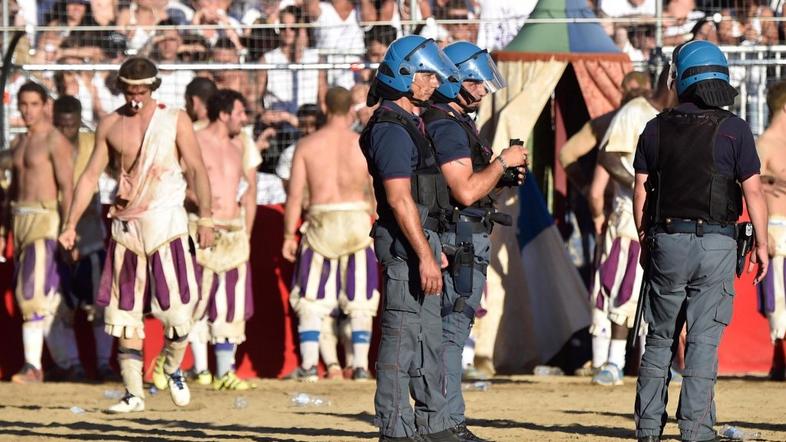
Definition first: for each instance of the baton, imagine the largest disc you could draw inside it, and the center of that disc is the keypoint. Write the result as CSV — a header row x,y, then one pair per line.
x,y
643,292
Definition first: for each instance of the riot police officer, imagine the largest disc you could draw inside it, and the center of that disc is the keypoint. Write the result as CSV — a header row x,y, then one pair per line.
x,y
693,164
466,163
410,194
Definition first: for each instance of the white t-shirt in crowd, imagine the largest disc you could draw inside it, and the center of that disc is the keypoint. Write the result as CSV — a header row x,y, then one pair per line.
x,y
685,27
270,189
289,89
504,20
109,102
333,33
284,166
173,88
623,8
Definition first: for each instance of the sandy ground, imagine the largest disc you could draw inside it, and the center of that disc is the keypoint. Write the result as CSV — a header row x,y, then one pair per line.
x,y
521,408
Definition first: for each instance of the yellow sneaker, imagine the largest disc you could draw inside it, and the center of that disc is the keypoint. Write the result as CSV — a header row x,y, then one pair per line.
x,y
230,381
160,379
204,378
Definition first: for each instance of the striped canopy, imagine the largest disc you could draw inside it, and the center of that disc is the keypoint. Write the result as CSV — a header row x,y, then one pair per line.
x,y
562,37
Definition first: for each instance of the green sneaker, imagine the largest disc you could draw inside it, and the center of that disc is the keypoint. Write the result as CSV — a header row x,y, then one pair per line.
x,y
203,377
230,381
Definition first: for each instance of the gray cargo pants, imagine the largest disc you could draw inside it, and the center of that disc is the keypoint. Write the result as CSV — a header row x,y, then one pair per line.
x,y
408,361
456,326
692,283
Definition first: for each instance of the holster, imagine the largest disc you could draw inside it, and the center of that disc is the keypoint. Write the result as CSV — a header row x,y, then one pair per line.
x,y
744,244
462,270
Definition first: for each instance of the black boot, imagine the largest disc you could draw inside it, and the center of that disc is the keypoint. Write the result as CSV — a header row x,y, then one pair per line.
x,y
464,435
442,436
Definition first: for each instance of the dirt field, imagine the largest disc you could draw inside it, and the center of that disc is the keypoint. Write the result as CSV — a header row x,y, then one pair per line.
x,y
522,408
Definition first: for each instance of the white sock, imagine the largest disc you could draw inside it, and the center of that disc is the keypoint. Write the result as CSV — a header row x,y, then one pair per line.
x,y
130,361
328,340
225,358
174,349
308,332
61,342
103,344
617,352
199,350
33,341
345,337
196,337
468,353
361,340
600,350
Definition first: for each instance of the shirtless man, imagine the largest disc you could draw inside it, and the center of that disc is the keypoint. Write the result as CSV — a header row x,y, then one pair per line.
x,y
83,271
337,263
42,168
145,142
226,298
198,92
773,176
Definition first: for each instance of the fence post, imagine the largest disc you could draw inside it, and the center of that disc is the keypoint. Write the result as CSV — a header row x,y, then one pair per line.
x,y
762,95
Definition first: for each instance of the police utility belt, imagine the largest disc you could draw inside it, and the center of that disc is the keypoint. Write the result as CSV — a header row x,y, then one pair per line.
x,y
697,227
465,223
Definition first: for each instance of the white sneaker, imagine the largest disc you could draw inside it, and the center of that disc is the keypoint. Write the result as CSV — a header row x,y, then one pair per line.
x,y
129,404
608,375
178,389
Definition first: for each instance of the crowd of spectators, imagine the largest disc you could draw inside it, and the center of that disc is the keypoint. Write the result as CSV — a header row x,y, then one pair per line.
x,y
314,31
724,22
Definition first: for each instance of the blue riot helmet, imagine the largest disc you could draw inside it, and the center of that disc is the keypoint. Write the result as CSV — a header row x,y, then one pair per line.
x,y
474,64
407,56
701,71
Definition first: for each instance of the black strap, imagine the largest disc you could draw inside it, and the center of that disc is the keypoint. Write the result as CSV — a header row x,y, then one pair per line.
x,y
475,226
697,227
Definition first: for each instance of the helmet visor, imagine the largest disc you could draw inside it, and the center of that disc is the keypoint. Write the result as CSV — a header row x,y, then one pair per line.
x,y
427,57
480,67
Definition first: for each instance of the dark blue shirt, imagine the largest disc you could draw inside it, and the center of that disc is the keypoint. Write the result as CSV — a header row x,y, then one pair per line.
x,y
392,152
449,138
735,149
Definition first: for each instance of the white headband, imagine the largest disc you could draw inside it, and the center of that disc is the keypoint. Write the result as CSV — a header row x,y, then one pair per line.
x,y
142,81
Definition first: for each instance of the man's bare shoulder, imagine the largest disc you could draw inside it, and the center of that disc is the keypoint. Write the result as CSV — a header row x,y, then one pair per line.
x,y
108,121
54,137
311,141
184,119
767,142
352,135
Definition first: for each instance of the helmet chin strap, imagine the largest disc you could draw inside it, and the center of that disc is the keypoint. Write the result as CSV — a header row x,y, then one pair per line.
x,y
469,98
418,102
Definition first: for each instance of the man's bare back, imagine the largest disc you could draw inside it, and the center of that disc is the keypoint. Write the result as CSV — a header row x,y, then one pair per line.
x,y
336,170
34,178
772,154
223,157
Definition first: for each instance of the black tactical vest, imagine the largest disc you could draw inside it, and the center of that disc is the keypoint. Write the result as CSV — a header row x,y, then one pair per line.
x,y
480,154
428,185
687,184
